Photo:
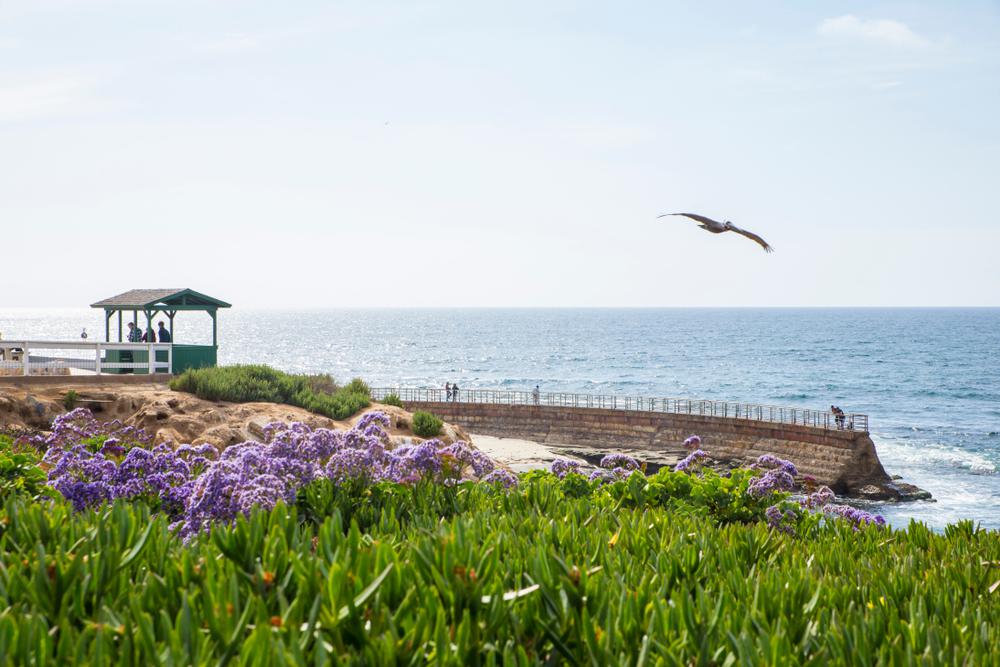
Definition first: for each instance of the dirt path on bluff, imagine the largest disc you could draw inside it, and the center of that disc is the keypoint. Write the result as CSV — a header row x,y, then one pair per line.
x,y
172,416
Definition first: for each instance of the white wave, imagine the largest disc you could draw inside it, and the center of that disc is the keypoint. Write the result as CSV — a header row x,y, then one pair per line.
x,y
895,452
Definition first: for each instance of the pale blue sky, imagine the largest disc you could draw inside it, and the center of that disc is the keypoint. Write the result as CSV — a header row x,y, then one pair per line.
x,y
516,153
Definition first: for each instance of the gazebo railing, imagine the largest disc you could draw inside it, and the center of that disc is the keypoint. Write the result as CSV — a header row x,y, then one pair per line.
x,y
27,357
686,406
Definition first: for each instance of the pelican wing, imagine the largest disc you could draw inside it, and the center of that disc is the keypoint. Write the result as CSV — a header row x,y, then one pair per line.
x,y
753,237
694,216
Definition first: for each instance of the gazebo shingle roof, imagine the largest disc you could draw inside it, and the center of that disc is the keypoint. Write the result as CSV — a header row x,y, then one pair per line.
x,y
144,298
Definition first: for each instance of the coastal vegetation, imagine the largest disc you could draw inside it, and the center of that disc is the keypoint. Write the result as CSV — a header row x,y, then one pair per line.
x,y
247,383
426,425
70,399
318,546
392,399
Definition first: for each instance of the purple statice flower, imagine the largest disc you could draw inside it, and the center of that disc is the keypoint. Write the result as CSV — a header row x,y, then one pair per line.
x,y
499,476
464,456
112,448
562,467
612,461
84,478
692,461
214,497
79,425
819,498
298,441
459,451
482,464
602,476
774,480
769,462
374,418
693,442
351,463
781,518
424,457
857,517
409,464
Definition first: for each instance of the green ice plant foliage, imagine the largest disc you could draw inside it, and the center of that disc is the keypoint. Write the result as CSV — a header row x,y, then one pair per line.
x,y
472,574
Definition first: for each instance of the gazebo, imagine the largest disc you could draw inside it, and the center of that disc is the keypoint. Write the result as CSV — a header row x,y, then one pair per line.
x,y
147,303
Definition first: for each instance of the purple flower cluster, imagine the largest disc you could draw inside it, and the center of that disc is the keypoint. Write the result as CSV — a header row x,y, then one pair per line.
x,y
612,461
197,487
79,425
693,442
692,462
562,467
613,475
160,474
781,518
858,518
506,479
817,499
774,480
769,462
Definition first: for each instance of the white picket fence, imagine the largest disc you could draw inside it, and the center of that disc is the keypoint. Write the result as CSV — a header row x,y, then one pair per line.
x,y
51,357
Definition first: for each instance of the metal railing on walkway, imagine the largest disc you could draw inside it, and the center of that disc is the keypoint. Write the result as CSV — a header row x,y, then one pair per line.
x,y
683,406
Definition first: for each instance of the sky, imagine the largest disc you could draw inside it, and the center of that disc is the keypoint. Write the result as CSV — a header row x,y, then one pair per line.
x,y
443,154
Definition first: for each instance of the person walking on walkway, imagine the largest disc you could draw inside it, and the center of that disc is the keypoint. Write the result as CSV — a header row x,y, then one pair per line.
x,y
447,391
454,392
536,395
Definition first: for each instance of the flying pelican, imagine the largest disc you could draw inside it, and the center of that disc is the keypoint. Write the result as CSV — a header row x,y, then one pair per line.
x,y
717,227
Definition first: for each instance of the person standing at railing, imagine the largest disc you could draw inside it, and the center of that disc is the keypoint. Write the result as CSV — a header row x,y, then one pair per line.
x,y
149,336
838,416
163,333
447,391
454,392
536,395
134,333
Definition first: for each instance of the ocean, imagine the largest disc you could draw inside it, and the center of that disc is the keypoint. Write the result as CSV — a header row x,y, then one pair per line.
x,y
928,378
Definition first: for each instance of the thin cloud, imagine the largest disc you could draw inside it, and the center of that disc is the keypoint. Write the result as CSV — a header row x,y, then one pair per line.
x,y
48,95
883,31
887,85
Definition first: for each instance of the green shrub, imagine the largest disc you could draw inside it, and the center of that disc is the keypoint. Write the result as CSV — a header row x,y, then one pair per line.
x,y
20,474
70,400
358,386
426,425
392,399
243,384
322,384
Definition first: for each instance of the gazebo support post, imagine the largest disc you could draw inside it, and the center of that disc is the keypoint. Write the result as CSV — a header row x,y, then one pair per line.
x,y
119,326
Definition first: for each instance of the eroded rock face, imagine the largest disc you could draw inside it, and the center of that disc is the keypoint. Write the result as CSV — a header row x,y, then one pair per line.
x,y
178,417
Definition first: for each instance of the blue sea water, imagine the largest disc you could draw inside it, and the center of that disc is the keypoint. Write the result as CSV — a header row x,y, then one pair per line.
x,y
928,378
